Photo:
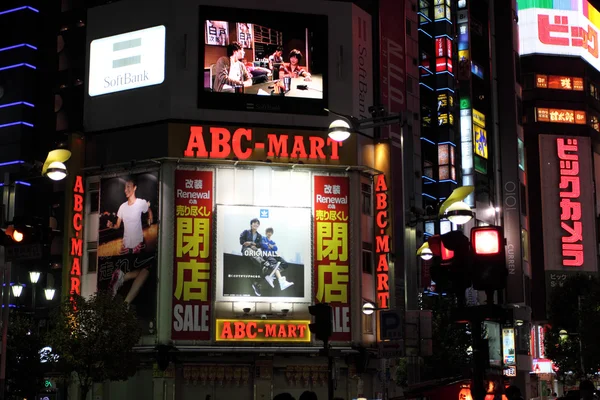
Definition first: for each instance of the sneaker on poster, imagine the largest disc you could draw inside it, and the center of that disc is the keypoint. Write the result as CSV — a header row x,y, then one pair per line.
x,y
256,288
116,282
284,284
276,268
270,280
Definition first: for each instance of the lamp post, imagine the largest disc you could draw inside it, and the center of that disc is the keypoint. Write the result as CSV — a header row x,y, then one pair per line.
x,y
49,293
341,128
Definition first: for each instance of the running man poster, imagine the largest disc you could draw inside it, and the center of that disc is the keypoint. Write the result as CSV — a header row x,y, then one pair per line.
x,y
192,286
128,241
332,251
263,254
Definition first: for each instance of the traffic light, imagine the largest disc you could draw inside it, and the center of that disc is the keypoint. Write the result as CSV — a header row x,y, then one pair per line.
x,y
322,328
489,260
28,230
451,265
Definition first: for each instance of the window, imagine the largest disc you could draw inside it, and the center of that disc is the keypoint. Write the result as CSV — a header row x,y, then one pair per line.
x,y
93,192
523,200
367,258
92,256
446,162
525,244
594,123
367,198
594,91
521,151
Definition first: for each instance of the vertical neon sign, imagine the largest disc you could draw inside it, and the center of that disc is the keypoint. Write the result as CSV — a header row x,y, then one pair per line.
x,y
77,240
382,241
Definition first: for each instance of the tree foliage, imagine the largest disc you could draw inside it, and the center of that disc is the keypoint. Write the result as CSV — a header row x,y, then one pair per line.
x,y
575,309
93,338
450,341
24,371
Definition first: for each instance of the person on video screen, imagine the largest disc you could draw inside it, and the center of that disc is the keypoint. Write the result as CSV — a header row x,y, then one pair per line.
x,y
276,57
130,215
293,68
230,70
275,264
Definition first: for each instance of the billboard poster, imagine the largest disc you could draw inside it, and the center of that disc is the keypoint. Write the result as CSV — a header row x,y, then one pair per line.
x,y
332,258
217,33
263,253
245,34
192,286
128,239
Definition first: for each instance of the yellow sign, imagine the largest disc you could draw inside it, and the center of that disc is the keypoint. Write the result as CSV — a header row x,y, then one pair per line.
x,y
478,118
246,330
480,141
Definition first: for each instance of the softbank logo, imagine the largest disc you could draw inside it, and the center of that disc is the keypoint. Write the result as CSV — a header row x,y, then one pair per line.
x,y
127,61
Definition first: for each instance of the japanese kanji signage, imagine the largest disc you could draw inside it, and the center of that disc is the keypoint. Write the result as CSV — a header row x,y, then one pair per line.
x,y
331,244
570,30
193,256
560,116
568,204
559,82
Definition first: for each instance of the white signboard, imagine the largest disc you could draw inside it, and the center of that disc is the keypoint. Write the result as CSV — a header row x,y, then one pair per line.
x,y
558,32
128,61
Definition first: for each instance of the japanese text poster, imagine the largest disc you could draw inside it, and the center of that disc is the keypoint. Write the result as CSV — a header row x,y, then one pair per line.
x,y
193,255
331,243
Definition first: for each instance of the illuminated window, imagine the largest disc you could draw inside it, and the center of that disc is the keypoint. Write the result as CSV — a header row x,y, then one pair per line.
x,y
428,169
443,154
594,91
521,151
462,3
594,123
446,157
444,171
525,244
424,10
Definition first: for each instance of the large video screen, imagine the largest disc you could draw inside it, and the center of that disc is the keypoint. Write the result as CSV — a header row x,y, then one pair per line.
x,y
263,60
263,254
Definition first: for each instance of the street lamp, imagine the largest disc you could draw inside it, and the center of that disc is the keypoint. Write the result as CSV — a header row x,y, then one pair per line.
x,y
453,208
49,293
343,127
54,167
17,289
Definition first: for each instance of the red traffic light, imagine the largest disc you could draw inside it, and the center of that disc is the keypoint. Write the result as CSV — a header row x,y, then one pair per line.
x,y
487,240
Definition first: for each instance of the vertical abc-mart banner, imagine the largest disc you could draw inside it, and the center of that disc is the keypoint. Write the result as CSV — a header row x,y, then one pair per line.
x,y
263,254
193,255
332,261
128,241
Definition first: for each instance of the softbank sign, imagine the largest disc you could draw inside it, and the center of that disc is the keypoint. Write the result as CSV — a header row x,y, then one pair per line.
x,y
127,61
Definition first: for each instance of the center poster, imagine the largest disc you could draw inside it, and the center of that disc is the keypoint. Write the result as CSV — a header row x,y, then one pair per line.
x,y
263,253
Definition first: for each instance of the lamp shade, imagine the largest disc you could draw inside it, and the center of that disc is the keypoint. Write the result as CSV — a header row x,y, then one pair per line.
x,y
49,293
339,130
34,276
17,289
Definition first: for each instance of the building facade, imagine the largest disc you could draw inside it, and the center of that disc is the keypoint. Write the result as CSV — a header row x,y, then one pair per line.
x,y
243,212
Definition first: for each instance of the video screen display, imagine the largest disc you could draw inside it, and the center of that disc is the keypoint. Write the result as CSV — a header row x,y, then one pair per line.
x,y
263,60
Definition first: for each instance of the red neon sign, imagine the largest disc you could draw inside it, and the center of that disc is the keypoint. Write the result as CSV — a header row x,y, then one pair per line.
x,y
559,33
77,241
382,241
241,144
570,204
262,330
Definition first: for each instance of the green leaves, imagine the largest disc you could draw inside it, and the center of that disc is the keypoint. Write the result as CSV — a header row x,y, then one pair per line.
x,y
574,309
94,337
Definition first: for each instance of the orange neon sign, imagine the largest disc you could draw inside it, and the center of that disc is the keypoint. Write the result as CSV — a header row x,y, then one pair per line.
x,y
234,330
559,82
77,241
382,241
561,116
240,143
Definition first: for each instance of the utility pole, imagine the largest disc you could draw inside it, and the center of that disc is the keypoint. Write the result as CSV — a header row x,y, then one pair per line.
x,y
5,267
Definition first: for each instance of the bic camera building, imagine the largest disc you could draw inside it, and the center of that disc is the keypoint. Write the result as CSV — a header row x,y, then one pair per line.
x,y
218,222
560,71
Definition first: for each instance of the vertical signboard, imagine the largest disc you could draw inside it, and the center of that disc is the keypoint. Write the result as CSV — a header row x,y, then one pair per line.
x,y
332,258
382,242
193,255
76,241
128,241
567,206
362,62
